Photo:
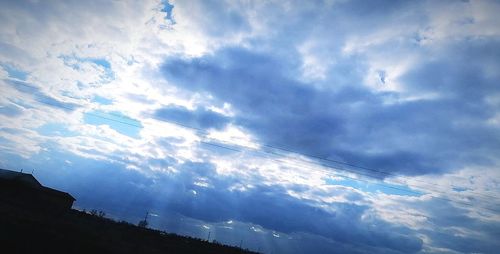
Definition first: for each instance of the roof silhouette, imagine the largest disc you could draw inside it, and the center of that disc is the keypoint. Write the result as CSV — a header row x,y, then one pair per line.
x,y
28,180
25,178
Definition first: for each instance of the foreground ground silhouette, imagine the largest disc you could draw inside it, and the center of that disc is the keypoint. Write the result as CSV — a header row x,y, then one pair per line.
x,y
23,230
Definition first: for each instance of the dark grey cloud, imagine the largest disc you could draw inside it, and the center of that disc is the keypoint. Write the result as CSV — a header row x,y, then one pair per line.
x,y
352,123
462,70
458,231
276,107
272,208
198,118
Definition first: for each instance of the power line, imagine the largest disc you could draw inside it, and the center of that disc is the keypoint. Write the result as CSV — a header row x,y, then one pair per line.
x,y
337,168
376,183
205,133
280,148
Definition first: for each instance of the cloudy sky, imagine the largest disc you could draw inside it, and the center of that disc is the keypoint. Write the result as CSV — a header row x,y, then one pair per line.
x,y
328,126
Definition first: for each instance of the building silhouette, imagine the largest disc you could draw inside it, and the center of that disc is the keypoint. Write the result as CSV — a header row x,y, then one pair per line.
x,y
22,189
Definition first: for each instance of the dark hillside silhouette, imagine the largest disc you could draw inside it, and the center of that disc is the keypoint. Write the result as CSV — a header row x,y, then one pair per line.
x,y
28,224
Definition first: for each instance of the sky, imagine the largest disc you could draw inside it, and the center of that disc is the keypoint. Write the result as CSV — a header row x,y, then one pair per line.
x,y
330,126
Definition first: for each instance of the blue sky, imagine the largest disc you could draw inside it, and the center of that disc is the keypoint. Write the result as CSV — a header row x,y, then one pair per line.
x,y
295,126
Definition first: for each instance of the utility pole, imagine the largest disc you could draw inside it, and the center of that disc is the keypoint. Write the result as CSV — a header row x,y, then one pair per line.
x,y
209,235
241,243
144,223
